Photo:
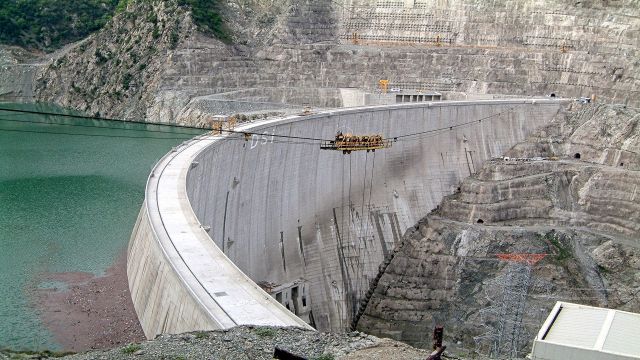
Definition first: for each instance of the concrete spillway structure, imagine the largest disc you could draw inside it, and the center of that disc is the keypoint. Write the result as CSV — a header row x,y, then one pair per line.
x,y
310,226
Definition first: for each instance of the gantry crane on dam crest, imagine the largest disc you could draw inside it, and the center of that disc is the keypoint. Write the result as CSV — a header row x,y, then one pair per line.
x,y
349,142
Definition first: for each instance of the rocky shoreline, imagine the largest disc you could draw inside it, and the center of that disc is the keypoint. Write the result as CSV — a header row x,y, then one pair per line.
x,y
89,312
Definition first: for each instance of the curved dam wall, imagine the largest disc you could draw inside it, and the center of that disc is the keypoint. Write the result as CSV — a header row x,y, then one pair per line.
x,y
179,279
312,226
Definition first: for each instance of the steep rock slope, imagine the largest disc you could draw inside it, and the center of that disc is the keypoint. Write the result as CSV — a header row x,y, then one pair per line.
x,y
302,52
570,192
16,74
114,72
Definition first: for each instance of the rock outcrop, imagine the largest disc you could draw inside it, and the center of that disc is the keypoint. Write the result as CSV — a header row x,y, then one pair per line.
x,y
247,342
116,71
151,62
16,74
570,192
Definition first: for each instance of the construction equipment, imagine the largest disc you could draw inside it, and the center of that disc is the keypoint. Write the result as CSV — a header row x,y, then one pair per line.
x,y
220,122
216,128
348,143
231,123
384,85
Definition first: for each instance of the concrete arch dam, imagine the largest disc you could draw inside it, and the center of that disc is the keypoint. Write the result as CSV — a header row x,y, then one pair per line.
x,y
237,232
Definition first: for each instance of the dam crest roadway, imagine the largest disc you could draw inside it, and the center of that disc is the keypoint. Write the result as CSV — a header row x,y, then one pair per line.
x,y
236,232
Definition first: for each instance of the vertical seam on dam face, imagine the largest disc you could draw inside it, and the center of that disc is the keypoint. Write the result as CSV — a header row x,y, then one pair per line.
x,y
284,260
304,258
338,252
224,223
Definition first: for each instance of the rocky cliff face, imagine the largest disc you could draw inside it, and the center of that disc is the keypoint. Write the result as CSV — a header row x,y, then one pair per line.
x,y
16,74
570,192
115,72
258,23
150,61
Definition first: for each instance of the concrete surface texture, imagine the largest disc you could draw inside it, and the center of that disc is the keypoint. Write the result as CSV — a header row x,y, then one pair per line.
x,y
312,226
179,279
569,191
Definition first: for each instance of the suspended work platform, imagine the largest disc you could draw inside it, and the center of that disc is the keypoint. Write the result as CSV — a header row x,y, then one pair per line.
x,y
348,143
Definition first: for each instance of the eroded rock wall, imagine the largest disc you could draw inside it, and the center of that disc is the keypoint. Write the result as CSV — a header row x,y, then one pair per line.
x,y
116,71
583,213
302,52
16,74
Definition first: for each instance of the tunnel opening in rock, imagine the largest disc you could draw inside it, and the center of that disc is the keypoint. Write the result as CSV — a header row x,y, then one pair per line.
x,y
480,221
576,155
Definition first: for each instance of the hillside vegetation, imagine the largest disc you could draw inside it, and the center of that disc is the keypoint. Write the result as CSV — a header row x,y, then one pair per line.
x,y
50,24
206,16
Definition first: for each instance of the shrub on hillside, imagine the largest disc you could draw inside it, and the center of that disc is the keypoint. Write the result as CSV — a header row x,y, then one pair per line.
x,y
50,24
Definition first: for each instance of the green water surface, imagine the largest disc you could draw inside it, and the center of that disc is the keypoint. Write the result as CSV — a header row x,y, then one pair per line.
x,y
70,191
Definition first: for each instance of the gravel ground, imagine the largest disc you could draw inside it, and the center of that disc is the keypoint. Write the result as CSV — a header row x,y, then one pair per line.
x,y
248,342
92,312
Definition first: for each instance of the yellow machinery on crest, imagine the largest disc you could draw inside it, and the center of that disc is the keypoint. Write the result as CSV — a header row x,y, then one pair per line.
x,y
217,126
384,84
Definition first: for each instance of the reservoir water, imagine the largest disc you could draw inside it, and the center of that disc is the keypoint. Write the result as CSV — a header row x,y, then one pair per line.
x,y
70,191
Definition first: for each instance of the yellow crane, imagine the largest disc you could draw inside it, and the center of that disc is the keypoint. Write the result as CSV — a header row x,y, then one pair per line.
x,y
384,85
349,142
